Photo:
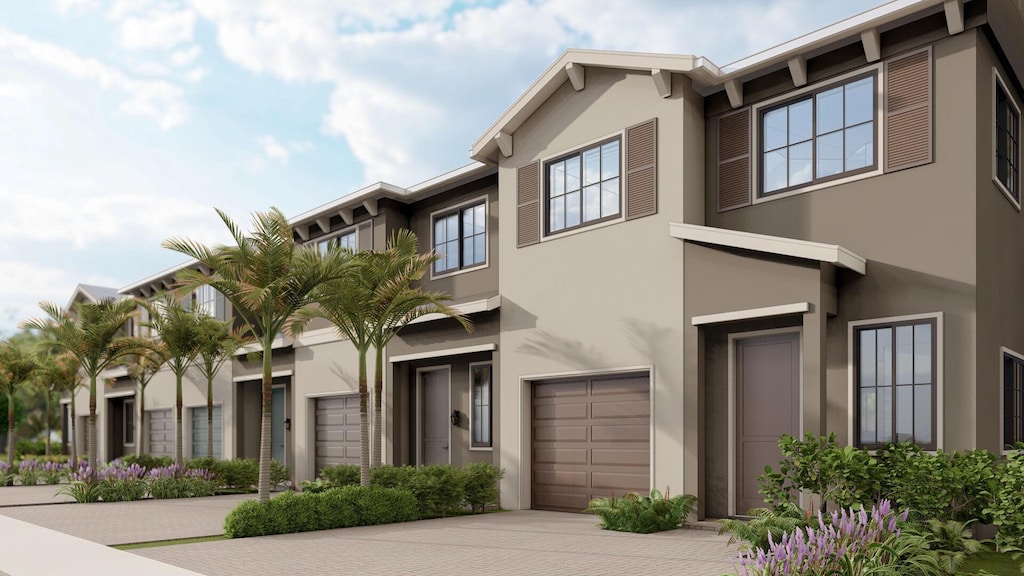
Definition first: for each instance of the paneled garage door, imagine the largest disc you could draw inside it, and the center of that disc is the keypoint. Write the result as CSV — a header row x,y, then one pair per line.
x,y
591,438
337,430
161,432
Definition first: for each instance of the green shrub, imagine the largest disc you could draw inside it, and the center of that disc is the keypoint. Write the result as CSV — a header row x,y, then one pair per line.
x,y
29,472
642,514
439,489
940,485
390,476
293,512
280,474
480,485
249,518
378,505
338,508
841,475
314,486
341,475
1006,501
25,447
766,522
148,461
238,474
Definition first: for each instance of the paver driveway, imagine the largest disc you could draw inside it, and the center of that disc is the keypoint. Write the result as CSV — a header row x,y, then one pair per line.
x,y
527,542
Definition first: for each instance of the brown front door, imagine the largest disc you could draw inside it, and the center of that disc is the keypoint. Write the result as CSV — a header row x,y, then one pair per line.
x,y
767,406
591,438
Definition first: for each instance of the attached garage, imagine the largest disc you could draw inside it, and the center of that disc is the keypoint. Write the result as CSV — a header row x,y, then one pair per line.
x,y
591,438
161,432
336,435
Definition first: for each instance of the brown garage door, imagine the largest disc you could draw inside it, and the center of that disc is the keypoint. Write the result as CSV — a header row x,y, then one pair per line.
x,y
337,431
591,438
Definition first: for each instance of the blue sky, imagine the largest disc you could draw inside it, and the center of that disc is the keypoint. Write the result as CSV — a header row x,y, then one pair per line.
x,y
123,123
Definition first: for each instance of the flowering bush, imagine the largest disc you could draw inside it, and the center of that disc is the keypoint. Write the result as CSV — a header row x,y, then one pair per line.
x,y
176,481
84,485
120,482
55,472
7,474
850,543
29,472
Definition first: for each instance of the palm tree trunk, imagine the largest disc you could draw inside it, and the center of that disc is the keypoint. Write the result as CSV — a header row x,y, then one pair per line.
x,y
364,428
47,392
177,422
10,429
93,456
140,446
268,388
209,417
378,391
73,431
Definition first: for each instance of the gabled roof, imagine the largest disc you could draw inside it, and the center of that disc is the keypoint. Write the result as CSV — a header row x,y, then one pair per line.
x,y
93,293
708,78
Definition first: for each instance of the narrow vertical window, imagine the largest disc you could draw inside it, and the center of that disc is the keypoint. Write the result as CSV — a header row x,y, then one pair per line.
x,y
480,377
346,241
1007,145
129,422
1013,401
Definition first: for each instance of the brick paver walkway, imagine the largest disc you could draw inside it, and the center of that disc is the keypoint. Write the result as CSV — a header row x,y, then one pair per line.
x,y
29,495
527,542
129,522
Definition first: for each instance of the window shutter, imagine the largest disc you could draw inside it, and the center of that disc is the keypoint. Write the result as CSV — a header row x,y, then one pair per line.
x,y
908,110
364,235
528,215
734,160
642,169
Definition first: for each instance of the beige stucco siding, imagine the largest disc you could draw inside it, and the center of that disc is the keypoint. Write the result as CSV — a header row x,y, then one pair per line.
x,y
604,298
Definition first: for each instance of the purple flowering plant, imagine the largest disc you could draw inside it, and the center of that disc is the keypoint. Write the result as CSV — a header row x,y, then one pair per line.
x,y
121,482
83,485
55,472
7,474
29,472
849,542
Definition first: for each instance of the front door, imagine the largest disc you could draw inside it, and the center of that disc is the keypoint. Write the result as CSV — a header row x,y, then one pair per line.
x,y
767,406
435,427
277,424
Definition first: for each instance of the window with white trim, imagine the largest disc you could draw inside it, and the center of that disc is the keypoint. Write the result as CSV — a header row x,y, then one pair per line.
x,y
346,241
1013,400
460,238
481,393
1007,142
824,135
896,388
204,300
584,187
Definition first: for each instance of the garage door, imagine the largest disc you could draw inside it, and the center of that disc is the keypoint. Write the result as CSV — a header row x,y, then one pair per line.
x,y
591,438
337,431
199,438
161,432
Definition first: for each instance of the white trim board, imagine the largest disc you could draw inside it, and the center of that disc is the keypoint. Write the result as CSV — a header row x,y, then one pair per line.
x,y
752,313
119,394
443,353
465,308
277,374
831,253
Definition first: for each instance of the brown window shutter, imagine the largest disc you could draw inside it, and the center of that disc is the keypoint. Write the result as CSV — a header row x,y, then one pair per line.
x,y
908,110
734,160
642,169
528,204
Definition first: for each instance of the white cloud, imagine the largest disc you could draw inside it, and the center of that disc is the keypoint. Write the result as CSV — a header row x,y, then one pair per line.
x,y
145,24
26,284
273,149
196,75
158,100
185,56
300,145
75,7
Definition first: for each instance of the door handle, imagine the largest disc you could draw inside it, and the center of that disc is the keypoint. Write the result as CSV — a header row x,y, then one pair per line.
x,y
444,447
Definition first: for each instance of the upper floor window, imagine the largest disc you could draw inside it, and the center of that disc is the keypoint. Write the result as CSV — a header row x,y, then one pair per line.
x,y
896,383
460,238
1007,148
346,241
1013,400
583,187
204,300
827,134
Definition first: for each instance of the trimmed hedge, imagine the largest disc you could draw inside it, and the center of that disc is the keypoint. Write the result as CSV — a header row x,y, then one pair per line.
x,y
302,512
241,473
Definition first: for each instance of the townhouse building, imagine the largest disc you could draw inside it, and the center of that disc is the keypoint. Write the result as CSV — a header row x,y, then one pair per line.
x,y
694,260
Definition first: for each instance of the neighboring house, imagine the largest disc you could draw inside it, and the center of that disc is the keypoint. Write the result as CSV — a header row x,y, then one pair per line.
x,y
695,260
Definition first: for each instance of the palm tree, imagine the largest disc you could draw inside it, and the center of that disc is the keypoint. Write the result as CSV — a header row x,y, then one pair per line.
x,y
17,368
63,371
217,344
178,330
267,278
368,308
91,333
142,368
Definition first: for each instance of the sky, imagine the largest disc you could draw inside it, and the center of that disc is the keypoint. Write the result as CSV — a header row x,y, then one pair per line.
x,y
124,123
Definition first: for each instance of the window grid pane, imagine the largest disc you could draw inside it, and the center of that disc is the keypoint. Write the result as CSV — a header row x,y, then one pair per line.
x,y
481,420
1013,401
590,190
460,237
896,387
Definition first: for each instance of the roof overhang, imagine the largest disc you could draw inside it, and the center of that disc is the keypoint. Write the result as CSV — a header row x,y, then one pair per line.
x,y
777,245
88,293
708,78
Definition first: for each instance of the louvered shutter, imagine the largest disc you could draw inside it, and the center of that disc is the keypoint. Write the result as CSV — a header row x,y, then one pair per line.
x,y
528,213
642,169
908,110
734,160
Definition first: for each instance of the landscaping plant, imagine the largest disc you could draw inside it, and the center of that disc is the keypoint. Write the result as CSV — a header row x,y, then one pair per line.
x,y
122,483
767,524
7,474
29,472
642,514
1006,501
54,472
83,485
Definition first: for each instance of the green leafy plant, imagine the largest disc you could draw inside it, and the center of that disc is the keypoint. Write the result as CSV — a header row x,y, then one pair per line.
x,y
642,514
280,474
378,505
84,486
1006,501
249,518
392,476
766,523
439,489
149,462
294,512
337,508
841,475
480,485
950,542
939,485
29,472
340,475
314,486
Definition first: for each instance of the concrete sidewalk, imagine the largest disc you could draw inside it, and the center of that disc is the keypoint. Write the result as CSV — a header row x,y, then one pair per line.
x,y
31,495
30,550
